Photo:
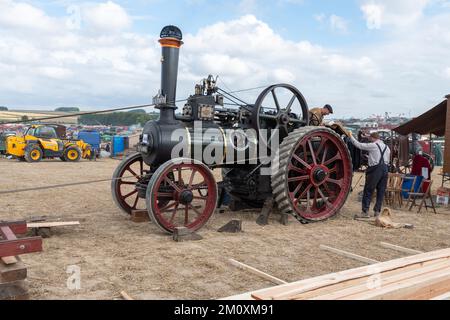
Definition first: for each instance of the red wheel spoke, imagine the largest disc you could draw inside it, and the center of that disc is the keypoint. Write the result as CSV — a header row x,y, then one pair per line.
x,y
141,164
135,202
169,206
127,182
335,158
306,191
130,194
313,155
172,184
327,189
195,210
325,200
321,146
165,195
333,170
304,163
295,179
294,194
325,153
186,215
133,173
316,195
336,182
199,186
174,212
191,179
200,198
180,178
296,169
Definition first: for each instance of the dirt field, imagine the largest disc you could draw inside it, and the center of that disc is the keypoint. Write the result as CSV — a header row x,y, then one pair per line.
x,y
115,254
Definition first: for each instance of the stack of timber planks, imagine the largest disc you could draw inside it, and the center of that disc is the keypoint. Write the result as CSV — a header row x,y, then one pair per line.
x,y
424,276
13,274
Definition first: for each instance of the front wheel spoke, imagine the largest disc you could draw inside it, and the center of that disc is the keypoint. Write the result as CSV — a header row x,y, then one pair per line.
x,y
297,190
165,195
130,194
174,213
135,202
199,186
172,184
133,173
191,179
195,210
306,191
167,207
186,215
127,182
334,170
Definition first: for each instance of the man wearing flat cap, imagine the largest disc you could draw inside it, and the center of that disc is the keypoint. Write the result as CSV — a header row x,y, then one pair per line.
x,y
316,115
376,173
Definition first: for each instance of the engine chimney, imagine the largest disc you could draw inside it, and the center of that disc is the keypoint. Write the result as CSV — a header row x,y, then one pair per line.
x,y
170,41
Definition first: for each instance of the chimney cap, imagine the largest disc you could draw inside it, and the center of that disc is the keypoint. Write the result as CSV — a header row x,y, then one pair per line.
x,y
171,32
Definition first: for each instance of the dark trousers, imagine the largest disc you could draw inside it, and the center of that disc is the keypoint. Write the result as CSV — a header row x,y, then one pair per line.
x,y
376,179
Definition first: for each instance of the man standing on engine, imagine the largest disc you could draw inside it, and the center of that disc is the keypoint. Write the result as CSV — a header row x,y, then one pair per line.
x,y
316,115
376,173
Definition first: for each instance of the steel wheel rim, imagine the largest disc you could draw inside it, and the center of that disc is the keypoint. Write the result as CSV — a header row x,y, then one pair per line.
x,y
73,154
129,200
318,178
169,214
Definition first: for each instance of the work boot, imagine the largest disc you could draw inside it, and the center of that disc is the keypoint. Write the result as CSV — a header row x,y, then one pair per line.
x,y
377,214
362,215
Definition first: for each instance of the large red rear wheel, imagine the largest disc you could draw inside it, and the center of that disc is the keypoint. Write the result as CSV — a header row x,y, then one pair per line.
x,y
314,175
181,193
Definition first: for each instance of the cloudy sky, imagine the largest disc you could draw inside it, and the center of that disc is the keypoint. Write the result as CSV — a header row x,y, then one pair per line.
x,y
362,56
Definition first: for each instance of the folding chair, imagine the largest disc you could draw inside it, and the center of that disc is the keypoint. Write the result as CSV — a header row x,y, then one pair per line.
x,y
425,188
394,190
406,189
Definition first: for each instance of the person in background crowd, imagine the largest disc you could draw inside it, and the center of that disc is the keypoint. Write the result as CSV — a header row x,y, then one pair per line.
x,y
421,166
317,115
379,156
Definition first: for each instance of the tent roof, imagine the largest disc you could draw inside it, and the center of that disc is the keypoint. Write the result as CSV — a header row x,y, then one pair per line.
x,y
432,121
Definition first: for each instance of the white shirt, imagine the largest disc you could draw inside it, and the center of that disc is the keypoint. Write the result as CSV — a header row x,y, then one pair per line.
x,y
374,152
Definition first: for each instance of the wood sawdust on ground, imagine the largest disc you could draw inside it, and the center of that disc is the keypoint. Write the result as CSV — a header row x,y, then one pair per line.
x,y
115,254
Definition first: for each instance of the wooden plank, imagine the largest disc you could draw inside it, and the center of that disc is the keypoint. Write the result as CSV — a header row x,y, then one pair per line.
x,y
17,227
384,280
285,291
408,288
255,271
125,295
9,260
139,216
12,272
445,296
52,224
349,255
364,281
20,246
399,248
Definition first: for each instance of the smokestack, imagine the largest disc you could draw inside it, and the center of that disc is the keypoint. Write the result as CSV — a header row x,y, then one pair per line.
x,y
170,41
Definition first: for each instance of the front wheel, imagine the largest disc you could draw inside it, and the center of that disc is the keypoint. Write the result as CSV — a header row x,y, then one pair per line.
x,y
181,193
72,154
33,153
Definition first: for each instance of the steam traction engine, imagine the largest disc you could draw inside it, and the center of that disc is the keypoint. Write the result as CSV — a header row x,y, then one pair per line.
x,y
310,172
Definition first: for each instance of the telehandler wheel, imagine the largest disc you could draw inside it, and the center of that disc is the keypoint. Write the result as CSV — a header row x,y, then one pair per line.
x,y
72,154
33,153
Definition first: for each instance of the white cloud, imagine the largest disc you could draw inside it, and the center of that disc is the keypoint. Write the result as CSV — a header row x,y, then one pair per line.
x,y
107,16
338,23
447,73
398,13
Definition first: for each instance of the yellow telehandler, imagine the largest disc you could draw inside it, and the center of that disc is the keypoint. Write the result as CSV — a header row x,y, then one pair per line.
x,y
42,142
